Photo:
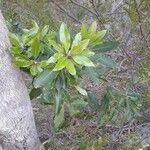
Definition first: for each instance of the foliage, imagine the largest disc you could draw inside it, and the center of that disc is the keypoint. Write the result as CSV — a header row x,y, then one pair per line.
x,y
127,21
58,61
115,107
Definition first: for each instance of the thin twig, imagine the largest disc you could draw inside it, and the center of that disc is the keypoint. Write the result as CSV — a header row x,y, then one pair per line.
x,y
92,12
97,13
66,12
140,22
125,44
86,8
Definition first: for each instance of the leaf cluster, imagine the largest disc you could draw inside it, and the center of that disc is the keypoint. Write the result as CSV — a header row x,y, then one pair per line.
x,y
58,61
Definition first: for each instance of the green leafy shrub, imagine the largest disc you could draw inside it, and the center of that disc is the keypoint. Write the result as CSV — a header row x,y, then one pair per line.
x,y
120,108
58,61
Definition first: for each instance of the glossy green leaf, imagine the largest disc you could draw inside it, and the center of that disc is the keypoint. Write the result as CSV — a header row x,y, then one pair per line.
x,y
30,34
95,39
93,74
39,68
56,46
60,64
81,90
105,60
34,70
16,50
70,67
55,57
21,62
76,40
87,53
82,60
35,25
47,95
34,30
64,36
101,34
44,31
59,83
84,31
46,77
35,47
93,27
82,45
91,34
44,63
50,36
59,119
106,46
58,103
14,40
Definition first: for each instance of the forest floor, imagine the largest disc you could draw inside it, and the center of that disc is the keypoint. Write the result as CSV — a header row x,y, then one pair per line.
x,y
81,134
73,137
78,134
84,133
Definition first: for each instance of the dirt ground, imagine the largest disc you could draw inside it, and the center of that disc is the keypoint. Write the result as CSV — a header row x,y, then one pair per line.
x,y
82,133
69,138
78,132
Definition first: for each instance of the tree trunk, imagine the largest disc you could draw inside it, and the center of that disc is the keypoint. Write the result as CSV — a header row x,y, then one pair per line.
x,y
17,127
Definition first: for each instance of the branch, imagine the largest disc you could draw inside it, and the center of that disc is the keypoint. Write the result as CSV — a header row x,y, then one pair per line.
x,y
140,24
125,44
86,8
66,12
92,12
97,13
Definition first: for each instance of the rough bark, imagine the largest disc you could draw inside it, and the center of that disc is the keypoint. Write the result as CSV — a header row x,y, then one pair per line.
x,y
17,127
